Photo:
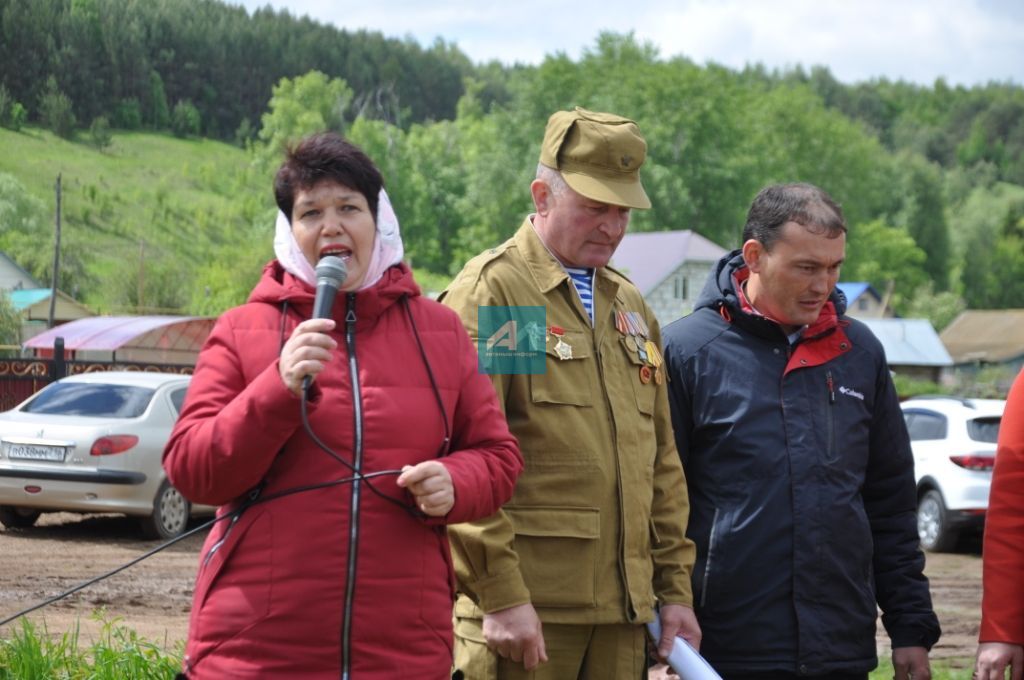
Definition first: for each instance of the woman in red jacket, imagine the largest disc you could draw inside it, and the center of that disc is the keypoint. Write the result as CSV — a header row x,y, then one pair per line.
x,y
331,560
1002,606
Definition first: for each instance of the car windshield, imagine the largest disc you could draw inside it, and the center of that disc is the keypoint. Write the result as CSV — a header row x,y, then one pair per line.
x,y
983,429
91,399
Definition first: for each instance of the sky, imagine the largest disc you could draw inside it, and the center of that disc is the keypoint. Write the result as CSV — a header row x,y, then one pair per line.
x,y
966,42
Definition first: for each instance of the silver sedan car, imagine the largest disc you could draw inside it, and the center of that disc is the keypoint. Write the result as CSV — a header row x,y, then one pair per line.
x,y
93,443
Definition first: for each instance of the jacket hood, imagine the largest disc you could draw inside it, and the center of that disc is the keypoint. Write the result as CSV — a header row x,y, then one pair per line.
x,y
720,288
277,286
719,294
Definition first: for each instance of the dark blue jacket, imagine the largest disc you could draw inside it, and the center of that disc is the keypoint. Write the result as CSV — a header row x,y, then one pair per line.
x,y
801,481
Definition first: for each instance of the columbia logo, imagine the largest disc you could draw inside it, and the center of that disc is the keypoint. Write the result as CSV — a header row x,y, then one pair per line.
x,y
851,393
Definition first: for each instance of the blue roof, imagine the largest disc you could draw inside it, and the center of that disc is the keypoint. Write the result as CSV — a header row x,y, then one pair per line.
x,y
853,290
22,299
909,342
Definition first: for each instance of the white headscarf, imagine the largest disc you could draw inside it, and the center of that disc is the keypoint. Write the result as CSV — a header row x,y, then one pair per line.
x,y
387,246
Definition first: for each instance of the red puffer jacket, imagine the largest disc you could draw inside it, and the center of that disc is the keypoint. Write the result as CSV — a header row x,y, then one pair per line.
x,y
276,595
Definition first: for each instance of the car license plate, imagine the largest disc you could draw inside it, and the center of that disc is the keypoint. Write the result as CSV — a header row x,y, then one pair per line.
x,y
36,452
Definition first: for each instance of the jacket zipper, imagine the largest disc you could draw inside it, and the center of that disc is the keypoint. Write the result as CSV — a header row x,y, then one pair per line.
x,y
707,562
599,364
829,417
357,465
250,498
216,546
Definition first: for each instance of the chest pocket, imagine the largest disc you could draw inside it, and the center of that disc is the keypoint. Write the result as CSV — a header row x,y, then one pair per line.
x,y
645,393
566,381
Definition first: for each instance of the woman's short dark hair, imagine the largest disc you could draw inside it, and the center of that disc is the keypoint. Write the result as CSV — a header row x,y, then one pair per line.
x,y
326,156
805,204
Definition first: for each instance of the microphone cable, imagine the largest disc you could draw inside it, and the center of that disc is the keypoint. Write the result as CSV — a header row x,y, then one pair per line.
x,y
191,532
443,450
258,500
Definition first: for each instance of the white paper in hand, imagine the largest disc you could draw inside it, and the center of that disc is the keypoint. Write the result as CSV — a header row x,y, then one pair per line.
x,y
683,658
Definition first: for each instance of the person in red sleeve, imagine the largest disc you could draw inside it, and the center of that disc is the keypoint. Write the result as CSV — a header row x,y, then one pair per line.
x,y
1002,607
332,559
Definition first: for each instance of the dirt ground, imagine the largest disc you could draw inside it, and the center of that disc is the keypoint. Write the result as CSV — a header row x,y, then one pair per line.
x,y
62,550
154,596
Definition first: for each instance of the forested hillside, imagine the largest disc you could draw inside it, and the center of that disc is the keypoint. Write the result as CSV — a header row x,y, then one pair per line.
x,y
136,62
931,178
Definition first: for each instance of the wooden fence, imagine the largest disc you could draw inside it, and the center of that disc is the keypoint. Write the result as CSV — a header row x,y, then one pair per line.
x,y
21,378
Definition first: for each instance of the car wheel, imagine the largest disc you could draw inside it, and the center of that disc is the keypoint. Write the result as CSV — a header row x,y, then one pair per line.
x,y
933,524
170,514
14,517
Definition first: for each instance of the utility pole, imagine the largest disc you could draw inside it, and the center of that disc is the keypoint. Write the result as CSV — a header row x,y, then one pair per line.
x,y
142,276
56,262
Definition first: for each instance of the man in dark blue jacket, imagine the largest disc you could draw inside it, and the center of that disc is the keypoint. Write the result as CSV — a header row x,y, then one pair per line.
x,y
801,479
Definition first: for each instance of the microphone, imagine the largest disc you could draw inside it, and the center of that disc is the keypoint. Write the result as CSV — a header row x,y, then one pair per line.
x,y
330,275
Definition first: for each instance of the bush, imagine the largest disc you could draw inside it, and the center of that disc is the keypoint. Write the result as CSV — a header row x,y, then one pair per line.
x,y
157,115
16,117
128,114
244,133
907,387
185,120
56,110
12,113
99,132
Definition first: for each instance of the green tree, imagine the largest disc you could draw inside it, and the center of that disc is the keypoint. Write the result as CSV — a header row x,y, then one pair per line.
x,y
923,213
997,135
940,308
186,119
798,139
156,113
99,132
56,110
10,324
300,106
438,181
887,258
128,114
25,235
990,230
12,113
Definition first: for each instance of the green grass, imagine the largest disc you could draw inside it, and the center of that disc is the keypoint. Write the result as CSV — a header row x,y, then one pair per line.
x,y
942,669
118,654
149,202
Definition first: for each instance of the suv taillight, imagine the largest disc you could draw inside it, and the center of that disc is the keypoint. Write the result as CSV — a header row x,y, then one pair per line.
x,y
115,443
975,461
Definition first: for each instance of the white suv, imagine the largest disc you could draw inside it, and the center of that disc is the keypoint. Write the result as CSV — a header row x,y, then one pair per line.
x,y
954,443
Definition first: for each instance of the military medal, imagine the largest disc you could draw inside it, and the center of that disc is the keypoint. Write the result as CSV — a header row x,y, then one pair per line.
x,y
645,374
620,323
636,326
623,328
562,348
656,360
653,353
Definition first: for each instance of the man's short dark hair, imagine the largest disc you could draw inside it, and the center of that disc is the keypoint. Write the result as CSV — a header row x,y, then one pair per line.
x,y
805,204
326,156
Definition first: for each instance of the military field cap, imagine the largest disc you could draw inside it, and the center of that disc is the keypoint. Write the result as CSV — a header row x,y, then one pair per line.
x,y
598,154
